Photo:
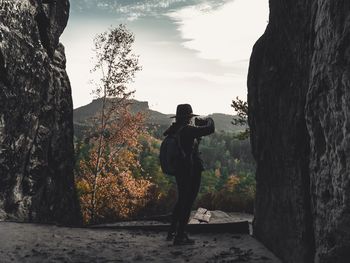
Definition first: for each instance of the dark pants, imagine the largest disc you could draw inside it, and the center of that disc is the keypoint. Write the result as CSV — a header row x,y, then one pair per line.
x,y
188,183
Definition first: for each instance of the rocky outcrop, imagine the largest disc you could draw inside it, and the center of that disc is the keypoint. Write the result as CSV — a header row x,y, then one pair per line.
x,y
299,115
328,121
36,126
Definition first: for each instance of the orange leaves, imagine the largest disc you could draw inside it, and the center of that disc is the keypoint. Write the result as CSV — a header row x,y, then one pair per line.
x,y
118,195
107,188
232,183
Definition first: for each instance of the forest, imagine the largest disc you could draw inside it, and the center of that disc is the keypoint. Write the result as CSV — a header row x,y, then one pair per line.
x,y
228,182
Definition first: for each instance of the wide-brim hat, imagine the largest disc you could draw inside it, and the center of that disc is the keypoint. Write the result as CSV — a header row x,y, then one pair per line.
x,y
184,110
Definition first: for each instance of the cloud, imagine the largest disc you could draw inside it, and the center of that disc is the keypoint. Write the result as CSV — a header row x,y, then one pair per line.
x,y
133,9
125,7
226,33
207,94
215,79
192,51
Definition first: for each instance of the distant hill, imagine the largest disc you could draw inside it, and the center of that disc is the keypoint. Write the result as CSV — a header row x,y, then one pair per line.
x,y
154,118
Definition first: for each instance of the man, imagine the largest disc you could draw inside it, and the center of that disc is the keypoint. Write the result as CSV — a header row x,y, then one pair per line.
x,y
188,174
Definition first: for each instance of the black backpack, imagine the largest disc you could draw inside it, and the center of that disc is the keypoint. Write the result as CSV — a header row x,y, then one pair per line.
x,y
171,154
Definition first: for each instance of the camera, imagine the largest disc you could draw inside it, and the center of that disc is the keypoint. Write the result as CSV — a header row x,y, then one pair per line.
x,y
200,122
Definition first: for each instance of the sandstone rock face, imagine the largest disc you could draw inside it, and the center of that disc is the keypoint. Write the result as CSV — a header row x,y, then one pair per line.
x,y
36,127
328,121
298,95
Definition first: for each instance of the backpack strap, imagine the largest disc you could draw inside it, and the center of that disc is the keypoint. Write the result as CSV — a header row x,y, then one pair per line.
x,y
177,135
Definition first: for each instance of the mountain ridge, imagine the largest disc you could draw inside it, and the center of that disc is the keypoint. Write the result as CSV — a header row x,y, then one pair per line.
x,y
153,117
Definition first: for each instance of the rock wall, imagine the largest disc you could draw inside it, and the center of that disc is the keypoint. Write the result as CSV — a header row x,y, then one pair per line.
x,y
36,126
298,95
328,121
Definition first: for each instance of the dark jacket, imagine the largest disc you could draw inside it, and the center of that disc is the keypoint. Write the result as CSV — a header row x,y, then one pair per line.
x,y
189,139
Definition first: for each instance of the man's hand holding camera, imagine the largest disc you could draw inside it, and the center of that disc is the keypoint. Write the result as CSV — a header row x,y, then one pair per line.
x,y
203,121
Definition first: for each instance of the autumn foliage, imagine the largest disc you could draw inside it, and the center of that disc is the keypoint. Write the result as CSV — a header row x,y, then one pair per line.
x,y
108,190
236,195
113,193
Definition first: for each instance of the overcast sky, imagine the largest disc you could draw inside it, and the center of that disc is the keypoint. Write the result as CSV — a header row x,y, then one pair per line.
x,y
193,52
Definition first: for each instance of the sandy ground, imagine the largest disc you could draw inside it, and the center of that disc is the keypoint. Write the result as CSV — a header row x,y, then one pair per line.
x,y
45,243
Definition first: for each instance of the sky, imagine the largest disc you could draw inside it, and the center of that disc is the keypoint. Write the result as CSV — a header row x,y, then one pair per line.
x,y
193,51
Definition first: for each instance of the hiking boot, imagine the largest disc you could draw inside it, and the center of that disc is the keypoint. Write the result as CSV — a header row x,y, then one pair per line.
x,y
183,240
170,236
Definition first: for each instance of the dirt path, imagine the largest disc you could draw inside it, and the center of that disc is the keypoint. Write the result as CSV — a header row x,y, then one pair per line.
x,y
42,243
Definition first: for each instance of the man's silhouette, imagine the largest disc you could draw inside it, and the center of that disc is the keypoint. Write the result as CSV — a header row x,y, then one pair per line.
x,y
188,174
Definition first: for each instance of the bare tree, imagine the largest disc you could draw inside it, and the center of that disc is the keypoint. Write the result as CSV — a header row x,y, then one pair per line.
x,y
116,66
